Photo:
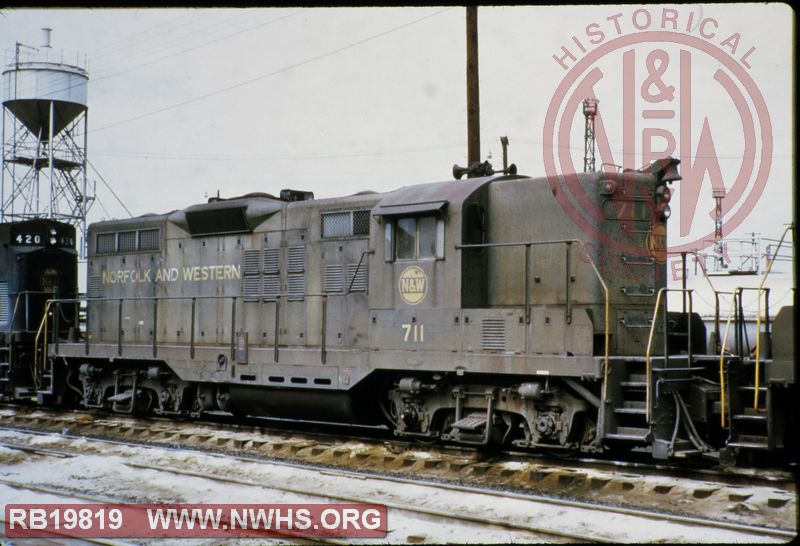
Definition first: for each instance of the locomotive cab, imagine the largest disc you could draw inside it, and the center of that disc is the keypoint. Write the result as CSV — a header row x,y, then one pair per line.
x,y
39,263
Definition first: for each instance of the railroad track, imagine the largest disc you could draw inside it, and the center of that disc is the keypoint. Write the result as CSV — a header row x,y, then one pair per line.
x,y
523,532
318,432
757,503
550,530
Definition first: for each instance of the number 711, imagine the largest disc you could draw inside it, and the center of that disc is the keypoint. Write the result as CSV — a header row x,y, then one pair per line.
x,y
414,331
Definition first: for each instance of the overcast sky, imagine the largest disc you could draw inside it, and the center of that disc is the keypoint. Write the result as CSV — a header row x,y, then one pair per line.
x,y
187,102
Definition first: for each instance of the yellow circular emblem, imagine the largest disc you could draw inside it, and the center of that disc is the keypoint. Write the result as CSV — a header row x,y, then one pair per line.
x,y
657,243
413,285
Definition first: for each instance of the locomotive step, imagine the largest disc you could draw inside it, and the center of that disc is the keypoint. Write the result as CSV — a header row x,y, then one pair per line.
x,y
121,397
750,388
750,442
681,369
633,384
474,421
630,411
630,434
751,418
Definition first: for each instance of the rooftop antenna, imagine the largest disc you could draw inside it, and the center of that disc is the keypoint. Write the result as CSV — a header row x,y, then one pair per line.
x,y
718,194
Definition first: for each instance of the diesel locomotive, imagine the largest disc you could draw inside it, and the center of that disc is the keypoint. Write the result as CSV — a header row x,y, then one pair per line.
x,y
477,311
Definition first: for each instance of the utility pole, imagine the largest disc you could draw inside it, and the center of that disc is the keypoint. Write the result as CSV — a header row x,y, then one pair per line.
x,y
473,100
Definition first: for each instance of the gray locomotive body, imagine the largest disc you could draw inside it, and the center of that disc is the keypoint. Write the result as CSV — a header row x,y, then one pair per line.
x,y
474,311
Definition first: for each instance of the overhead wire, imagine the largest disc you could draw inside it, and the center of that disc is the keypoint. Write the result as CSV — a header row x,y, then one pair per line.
x,y
292,157
273,73
109,188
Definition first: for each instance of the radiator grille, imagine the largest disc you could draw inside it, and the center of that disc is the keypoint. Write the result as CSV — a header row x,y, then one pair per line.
x,y
150,239
106,242
361,222
493,334
336,224
333,278
127,241
360,282
345,223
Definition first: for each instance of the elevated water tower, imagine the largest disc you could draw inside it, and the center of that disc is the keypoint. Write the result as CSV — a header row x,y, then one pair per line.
x,y
44,128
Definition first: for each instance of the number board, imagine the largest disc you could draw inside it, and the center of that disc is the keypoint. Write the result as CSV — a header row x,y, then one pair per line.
x,y
29,234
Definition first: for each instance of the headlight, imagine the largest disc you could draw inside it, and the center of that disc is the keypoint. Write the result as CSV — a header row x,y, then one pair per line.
x,y
663,194
664,210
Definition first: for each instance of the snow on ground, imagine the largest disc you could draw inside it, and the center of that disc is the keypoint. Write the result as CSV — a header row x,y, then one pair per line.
x,y
106,470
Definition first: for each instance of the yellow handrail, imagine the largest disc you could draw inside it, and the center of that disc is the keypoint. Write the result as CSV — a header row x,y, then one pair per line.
x,y
647,353
42,326
647,357
758,315
722,361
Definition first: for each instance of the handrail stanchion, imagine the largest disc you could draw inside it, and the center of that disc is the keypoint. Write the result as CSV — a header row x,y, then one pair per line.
x,y
191,333
323,347
88,332
277,325
233,329
155,327
119,328
647,354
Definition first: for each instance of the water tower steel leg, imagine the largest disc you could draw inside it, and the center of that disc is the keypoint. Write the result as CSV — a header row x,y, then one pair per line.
x,y
3,168
50,152
82,250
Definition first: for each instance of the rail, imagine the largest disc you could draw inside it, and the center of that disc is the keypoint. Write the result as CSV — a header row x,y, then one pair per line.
x,y
568,279
648,354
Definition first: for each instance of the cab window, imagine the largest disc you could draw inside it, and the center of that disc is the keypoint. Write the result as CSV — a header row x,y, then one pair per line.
x,y
415,238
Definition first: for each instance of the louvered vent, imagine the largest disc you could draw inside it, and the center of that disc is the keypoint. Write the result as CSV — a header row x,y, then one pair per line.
x,y
359,284
252,262
271,260
296,285
333,278
494,334
94,287
296,259
3,302
272,287
251,288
